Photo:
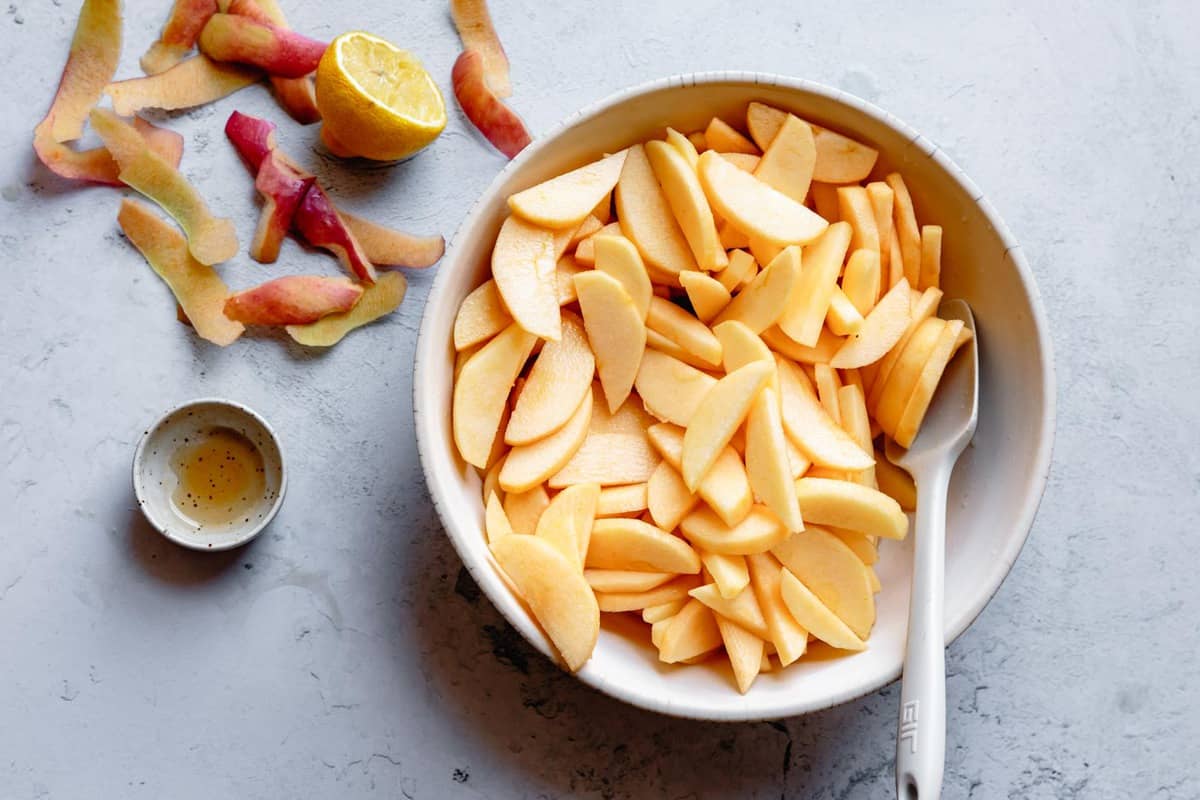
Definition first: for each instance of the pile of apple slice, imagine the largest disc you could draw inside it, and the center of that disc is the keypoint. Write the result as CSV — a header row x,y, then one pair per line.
x,y
673,383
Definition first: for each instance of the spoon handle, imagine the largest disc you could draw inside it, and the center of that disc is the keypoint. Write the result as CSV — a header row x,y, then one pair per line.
x,y
921,738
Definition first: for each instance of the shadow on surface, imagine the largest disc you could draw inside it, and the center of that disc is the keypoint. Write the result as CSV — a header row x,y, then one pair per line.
x,y
171,563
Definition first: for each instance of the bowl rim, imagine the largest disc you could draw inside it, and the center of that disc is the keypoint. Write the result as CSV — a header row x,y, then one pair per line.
x,y
474,558
248,533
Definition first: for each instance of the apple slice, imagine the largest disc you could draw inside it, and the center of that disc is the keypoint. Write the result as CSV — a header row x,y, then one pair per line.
x,y
630,544
178,36
282,187
765,300
653,614
480,316
828,384
787,165
833,573
721,136
686,198
585,252
620,501
922,310
388,247
530,465
767,462
741,608
805,315
728,572
319,222
567,521
918,402
745,651
862,279
193,82
668,497
378,300
565,201
854,206
560,380
719,415
745,163
671,389
523,266
684,330
560,599
754,207
684,147
931,256
740,347
764,252
841,159
616,581
810,426
673,591
617,256
198,289
646,217
764,122
857,422
882,200
896,483
498,123
850,505
481,392
757,533
789,638
900,382
495,521
731,238
880,331
230,37
741,270
692,632
616,451
210,239
825,200
614,331
524,509
706,294
726,487
816,618
842,317
906,227
293,300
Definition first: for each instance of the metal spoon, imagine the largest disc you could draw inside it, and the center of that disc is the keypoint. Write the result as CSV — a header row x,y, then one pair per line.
x,y
947,428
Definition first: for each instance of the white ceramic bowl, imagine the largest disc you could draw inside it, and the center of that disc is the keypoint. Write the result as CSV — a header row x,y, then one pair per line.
x,y
997,484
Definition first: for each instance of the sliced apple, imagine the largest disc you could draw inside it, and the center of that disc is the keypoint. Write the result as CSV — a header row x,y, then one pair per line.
x,y
726,487
895,483
475,29
862,545
692,632
731,238
646,217
833,573
850,505
840,159
741,608
378,300
745,651
210,239
557,594
880,331
789,638
653,614
498,123
754,207
811,427
673,591
667,497
922,393
718,416
688,203
560,379
630,544
706,294
857,422
758,532
683,146
282,187
495,521
787,165
524,266
567,522
585,251
198,289
614,331
815,617
196,81
481,392
899,384
854,207
842,318
524,509
293,300
931,256
389,247
763,122
905,219
745,163
741,270
698,141
767,463
722,137
921,310
805,315
320,223
619,501
861,281
671,389
615,581
765,300
566,200
529,465
616,256
684,330
882,200
827,388
231,37
728,572
616,451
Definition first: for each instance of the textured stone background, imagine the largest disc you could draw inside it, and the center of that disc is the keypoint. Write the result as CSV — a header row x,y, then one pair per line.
x,y
345,654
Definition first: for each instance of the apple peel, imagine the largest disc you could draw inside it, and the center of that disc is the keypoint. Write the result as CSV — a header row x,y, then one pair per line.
x,y
283,187
231,37
179,35
199,291
388,247
377,301
293,300
475,29
196,81
252,137
498,123
297,96
318,221
97,164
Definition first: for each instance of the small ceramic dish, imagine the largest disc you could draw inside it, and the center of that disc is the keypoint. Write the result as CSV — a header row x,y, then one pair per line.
x,y
997,483
170,457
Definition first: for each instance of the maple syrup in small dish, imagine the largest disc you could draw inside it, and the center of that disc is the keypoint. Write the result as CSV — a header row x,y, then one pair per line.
x,y
209,475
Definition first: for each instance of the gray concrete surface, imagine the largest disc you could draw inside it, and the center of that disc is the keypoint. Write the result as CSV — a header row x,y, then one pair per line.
x,y
345,654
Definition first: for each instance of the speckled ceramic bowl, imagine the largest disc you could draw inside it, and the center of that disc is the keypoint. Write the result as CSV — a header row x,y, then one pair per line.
x,y
997,484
